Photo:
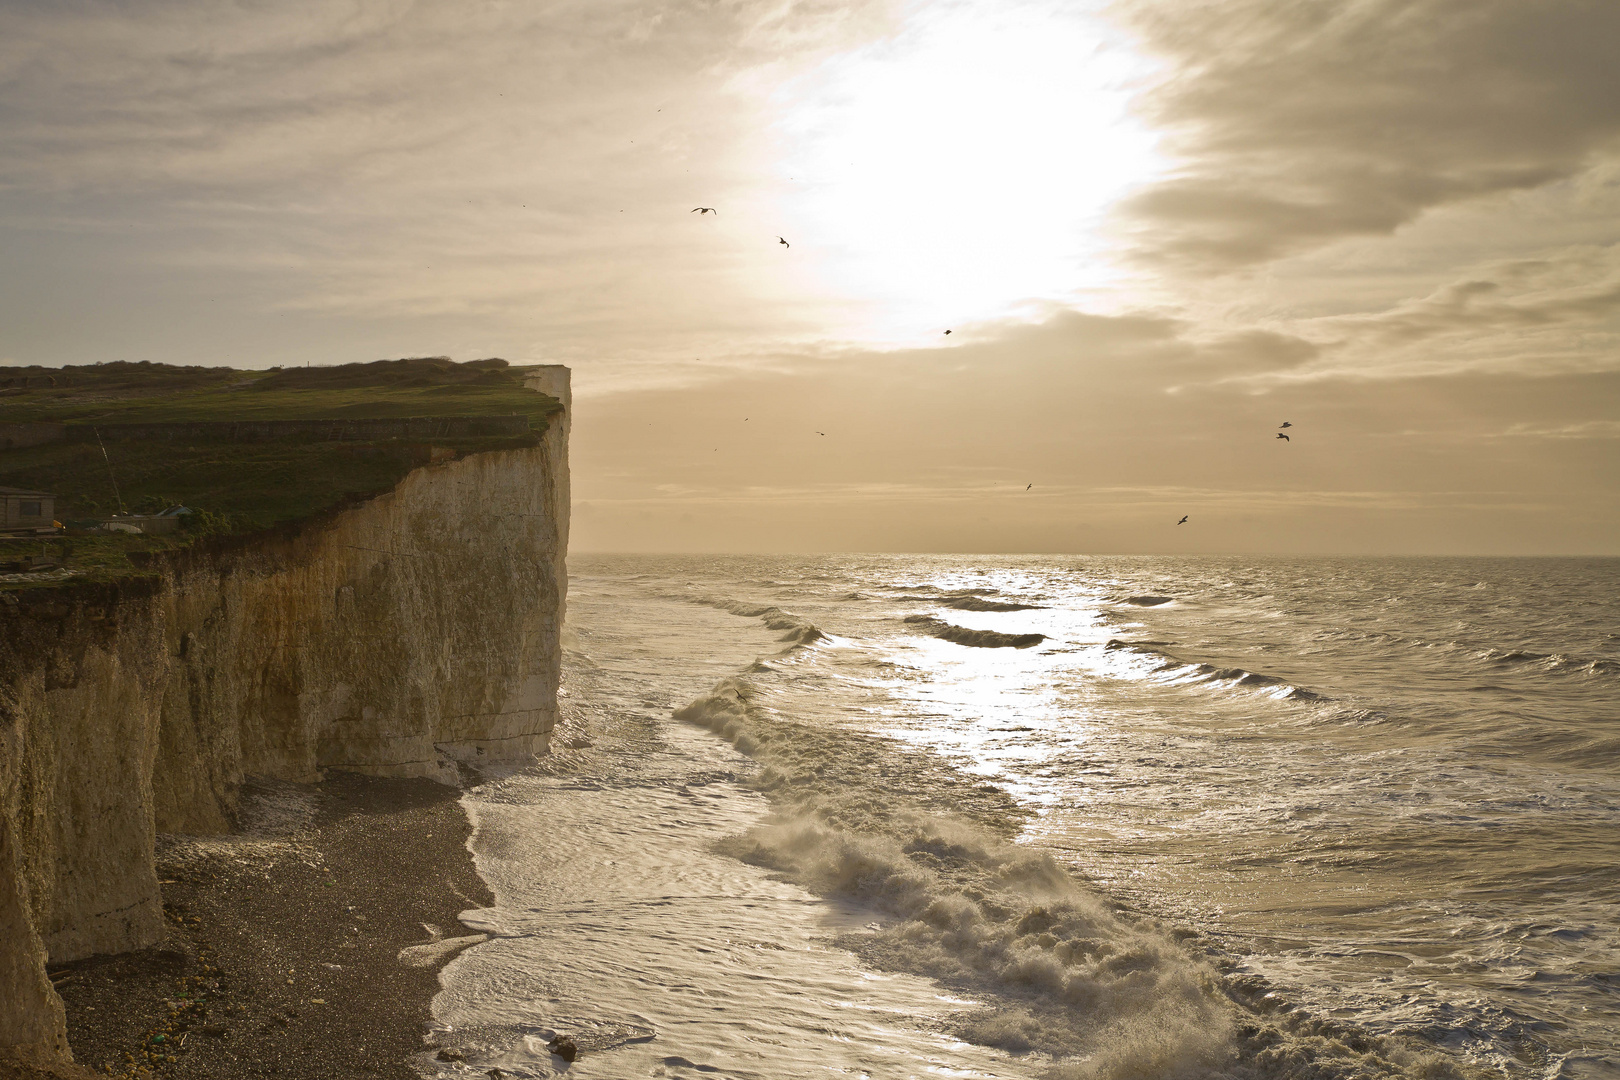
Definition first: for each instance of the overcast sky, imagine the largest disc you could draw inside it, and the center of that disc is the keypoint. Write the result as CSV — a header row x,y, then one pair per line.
x,y
1156,231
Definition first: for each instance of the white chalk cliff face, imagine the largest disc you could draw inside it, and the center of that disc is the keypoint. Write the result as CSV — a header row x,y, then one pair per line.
x,y
394,637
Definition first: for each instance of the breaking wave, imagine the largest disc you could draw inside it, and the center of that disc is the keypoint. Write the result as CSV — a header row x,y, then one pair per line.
x,y
979,639
967,602
1108,994
797,631
1173,669
937,591
973,603
1551,663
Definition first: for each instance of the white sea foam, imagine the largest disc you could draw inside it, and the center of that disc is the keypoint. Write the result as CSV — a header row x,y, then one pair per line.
x,y
620,924
1107,995
1159,859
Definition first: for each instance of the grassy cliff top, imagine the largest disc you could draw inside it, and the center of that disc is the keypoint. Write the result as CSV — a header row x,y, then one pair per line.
x,y
145,393
233,487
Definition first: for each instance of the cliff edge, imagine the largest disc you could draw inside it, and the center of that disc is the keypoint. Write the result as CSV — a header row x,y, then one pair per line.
x,y
402,635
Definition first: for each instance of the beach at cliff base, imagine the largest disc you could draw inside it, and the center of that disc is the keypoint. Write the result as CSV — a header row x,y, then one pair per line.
x,y
305,946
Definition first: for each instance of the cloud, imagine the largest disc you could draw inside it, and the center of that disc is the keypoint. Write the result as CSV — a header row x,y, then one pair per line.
x,y
1117,420
1591,429
1553,314
311,94
1298,124
509,178
1489,305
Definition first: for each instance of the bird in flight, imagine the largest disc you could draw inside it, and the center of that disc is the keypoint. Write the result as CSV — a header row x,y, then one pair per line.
x,y
705,210
821,433
1285,424
1283,437
1183,520
947,332
783,242
1028,486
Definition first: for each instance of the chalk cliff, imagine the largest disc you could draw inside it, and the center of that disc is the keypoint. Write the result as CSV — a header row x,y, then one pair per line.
x,y
396,636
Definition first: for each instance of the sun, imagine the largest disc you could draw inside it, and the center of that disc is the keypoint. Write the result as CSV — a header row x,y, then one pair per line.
x,y
963,167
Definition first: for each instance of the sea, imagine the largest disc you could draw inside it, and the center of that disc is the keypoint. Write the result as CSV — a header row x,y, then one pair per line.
x,y
893,816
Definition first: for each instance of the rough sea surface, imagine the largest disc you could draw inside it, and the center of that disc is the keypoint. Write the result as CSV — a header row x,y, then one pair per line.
x,y
949,816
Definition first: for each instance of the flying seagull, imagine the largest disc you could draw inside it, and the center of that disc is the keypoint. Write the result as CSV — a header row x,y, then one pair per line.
x,y
1283,437
1028,486
1285,424
783,242
821,433
947,331
1183,520
705,210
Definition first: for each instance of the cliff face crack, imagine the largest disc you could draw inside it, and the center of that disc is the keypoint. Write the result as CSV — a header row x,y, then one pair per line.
x,y
127,907
401,554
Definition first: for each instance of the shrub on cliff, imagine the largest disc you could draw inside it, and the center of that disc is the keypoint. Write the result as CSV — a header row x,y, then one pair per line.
x,y
200,523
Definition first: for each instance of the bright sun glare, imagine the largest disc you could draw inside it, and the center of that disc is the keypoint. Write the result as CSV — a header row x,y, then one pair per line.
x,y
963,167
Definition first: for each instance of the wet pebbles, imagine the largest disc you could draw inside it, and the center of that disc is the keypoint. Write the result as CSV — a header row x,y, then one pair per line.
x,y
282,957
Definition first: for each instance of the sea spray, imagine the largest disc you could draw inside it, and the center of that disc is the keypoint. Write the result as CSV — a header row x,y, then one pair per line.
x,y
1418,863
1394,848
967,907
1109,995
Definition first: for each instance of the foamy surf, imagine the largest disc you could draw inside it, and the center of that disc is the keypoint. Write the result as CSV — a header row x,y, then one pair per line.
x,y
621,924
657,955
1104,994
1160,859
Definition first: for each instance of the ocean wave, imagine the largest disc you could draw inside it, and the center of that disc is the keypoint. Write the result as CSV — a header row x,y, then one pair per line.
x,y
1147,601
1175,670
967,602
935,589
1499,659
964,904
1591,752
1056,967
978,639
797,630
1551,663
974,603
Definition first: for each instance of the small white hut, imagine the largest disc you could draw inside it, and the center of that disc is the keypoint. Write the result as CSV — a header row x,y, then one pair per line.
x,y
27,509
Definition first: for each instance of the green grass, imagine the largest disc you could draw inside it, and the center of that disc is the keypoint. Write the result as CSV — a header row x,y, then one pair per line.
x,y
256,484
236,487
155,393
94,557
